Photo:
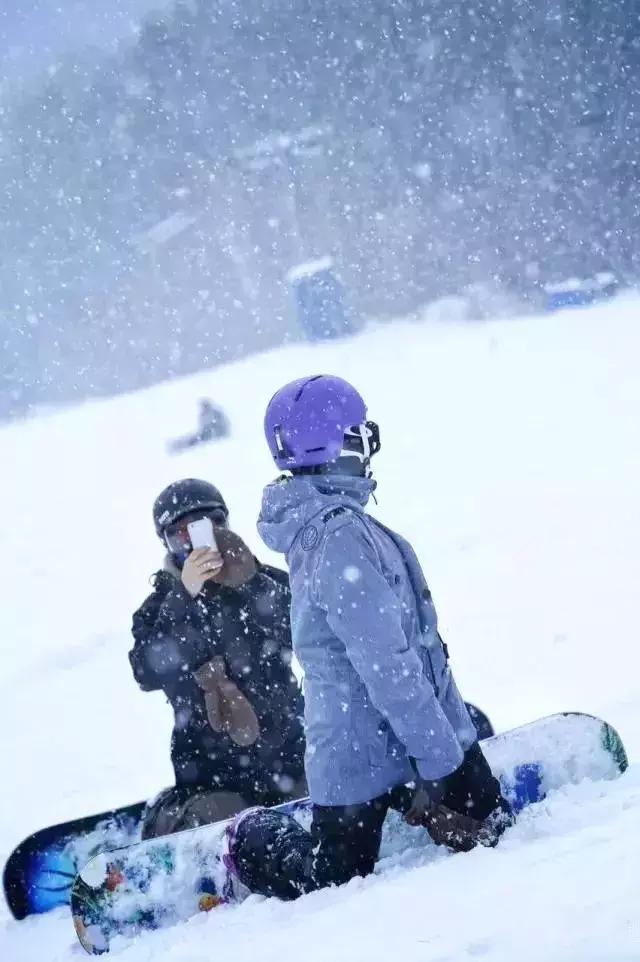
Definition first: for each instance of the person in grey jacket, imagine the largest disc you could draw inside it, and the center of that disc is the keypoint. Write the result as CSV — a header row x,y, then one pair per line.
x,y
385,723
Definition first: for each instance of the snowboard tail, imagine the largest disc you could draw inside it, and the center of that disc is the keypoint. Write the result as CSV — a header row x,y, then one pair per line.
x,y
161,882
40,872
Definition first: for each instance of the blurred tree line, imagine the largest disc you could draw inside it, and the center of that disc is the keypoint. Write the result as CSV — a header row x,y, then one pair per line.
x,y
152,202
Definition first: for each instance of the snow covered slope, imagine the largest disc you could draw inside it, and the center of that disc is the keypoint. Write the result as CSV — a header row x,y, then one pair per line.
x,y
511,456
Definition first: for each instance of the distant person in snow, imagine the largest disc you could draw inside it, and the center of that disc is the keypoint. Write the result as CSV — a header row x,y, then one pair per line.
x,y
213,424
386,726
214,636
212,421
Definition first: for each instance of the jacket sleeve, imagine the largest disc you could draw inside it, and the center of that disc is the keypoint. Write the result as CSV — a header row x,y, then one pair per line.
x,y
365,614
168,639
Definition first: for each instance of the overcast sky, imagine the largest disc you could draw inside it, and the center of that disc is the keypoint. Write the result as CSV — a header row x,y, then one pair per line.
x,y
34,33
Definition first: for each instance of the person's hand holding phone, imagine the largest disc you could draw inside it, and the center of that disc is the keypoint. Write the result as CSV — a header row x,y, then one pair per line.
x,y
205,561
202,565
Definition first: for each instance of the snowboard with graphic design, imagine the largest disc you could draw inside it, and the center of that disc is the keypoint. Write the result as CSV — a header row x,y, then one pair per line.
x,y
161,882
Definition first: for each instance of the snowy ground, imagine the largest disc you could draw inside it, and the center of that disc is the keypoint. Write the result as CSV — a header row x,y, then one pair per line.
x,y
511,456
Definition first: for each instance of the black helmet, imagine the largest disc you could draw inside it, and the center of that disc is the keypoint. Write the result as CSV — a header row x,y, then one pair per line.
x,y
182,497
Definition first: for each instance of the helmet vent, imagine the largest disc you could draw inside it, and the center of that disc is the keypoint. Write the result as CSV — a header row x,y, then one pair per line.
x,y
316,377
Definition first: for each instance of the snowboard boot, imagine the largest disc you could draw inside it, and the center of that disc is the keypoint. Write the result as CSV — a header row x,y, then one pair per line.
x,y
268,852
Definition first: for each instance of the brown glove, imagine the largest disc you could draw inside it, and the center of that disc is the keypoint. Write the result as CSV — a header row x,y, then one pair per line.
x,y
227,708
459,833
239,564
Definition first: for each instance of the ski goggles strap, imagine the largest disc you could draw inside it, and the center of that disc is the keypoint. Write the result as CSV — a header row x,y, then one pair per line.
x,y
362,441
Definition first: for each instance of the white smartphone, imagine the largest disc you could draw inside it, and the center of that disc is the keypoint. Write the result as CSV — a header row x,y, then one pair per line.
x,y
201,534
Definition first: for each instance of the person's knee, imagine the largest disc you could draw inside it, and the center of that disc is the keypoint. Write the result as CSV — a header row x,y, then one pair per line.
x,y
179,808
207,807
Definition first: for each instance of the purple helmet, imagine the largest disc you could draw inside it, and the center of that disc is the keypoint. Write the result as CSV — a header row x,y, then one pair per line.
x,y
307,419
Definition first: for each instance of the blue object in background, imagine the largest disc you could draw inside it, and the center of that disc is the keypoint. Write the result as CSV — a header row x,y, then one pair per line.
x,y
579,292
320,301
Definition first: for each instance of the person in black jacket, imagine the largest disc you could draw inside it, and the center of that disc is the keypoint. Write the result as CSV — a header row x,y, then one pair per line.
x,y
214,636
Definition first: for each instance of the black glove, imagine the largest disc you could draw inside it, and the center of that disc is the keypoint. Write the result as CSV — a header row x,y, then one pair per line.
x,y
426,797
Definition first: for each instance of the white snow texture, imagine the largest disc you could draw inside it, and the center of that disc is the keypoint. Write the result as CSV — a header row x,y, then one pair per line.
x,y
511,458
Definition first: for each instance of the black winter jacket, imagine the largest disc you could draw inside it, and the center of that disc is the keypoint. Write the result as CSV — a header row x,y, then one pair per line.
x,y
249,627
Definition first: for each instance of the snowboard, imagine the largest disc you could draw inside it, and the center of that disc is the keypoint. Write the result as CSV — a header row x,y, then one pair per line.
x,y
161,882
39,873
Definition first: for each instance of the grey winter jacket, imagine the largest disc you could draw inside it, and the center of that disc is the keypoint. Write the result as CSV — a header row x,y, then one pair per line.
x,y
378,688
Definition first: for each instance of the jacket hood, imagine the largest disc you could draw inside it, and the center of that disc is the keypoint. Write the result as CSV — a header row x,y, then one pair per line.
x,y
289,503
